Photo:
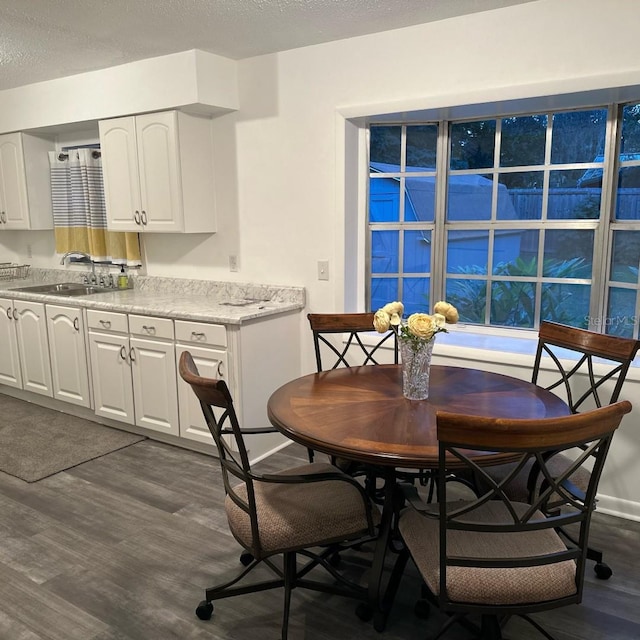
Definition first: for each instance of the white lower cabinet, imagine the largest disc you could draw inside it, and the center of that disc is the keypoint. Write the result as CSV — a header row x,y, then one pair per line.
x,y
68,352
152,354
207,344
110,365
133,370
23,341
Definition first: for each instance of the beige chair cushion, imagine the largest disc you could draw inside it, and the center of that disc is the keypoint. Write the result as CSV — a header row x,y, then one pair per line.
x,y
494,586
301,515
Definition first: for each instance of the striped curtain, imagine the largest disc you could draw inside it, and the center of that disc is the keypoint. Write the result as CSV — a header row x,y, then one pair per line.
x,y
79,212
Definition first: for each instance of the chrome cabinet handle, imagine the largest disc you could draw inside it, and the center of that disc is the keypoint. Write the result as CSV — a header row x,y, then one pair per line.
x,y
123,353
9,313
106,323
132,354
136,217
144,218
219,370
150,330
76,324
198,335
15,313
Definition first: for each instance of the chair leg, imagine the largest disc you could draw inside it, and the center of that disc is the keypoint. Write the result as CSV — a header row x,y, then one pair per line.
x,y
289,571
491,629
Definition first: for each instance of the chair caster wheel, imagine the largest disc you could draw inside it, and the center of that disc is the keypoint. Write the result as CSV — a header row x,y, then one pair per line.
x,y
204,610
364,612
246,558
603,571
422,609
335,560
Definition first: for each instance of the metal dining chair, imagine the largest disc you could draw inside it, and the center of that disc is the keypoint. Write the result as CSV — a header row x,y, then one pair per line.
x,y
307,513
495,557
588,370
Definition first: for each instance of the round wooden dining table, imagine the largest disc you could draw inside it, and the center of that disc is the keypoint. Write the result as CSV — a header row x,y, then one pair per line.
x,y
359,413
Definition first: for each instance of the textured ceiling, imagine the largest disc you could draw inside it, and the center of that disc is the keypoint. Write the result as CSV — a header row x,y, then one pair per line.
x,y
46,39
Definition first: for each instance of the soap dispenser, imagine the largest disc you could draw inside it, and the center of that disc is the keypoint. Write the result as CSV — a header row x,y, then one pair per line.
x,y
123,279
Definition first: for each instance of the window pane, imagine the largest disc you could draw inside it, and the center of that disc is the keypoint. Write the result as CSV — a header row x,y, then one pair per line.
x,y
567,201
523,141
469,297
417,252
628,196
415,295
566,303
421,147
515,252
513,304
472,144
383,290
384,251
568,253
385,144
625,256
384,200
630,139
469,197
420,197
520,195
468,251
578,135
621,319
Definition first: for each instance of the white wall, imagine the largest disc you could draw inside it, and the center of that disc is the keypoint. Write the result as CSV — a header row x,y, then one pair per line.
x,y
280,158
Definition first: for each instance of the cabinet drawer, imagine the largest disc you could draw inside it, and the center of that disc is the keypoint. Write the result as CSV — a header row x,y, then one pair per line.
x,y
107,321
151,327
201,333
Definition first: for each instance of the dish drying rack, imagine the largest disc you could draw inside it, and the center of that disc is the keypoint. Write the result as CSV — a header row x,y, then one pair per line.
x,y
11,271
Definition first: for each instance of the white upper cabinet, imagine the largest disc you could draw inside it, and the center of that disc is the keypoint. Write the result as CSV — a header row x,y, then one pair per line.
x,y
158,173
25,188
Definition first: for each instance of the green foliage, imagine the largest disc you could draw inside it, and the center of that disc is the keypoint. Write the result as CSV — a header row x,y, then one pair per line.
x,y
513,301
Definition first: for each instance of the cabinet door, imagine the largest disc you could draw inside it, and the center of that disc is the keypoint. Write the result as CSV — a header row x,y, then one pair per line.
x,y
120,173
33,347
69,373
111,375
154,385
211,363
159,166
14,205
9,359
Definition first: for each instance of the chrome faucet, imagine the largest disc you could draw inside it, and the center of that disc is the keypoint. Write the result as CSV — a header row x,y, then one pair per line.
x,y
87,258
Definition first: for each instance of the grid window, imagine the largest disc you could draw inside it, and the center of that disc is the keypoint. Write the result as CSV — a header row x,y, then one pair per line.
x,y
512,219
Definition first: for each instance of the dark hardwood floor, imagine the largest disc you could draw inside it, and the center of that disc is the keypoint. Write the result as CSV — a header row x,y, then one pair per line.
x,y
122,547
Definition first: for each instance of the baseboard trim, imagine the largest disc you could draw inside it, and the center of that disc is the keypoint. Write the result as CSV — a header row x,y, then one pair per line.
x,y
619,507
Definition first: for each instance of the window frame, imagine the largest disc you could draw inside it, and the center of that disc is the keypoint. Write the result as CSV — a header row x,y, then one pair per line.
x,y
603,227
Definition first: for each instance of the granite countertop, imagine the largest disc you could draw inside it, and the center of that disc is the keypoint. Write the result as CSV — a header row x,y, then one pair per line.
x,y
182,299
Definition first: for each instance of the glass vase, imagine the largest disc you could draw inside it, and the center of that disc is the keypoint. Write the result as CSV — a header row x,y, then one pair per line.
x,y
416,364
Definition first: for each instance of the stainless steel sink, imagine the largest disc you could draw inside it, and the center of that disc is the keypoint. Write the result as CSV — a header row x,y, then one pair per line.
x,y
65,289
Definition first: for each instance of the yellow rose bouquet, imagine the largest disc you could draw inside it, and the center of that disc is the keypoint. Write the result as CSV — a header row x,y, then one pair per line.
x,y
416,337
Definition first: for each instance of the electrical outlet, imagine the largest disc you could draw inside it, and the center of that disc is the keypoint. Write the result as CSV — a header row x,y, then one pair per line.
x,y
323,269
233,263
